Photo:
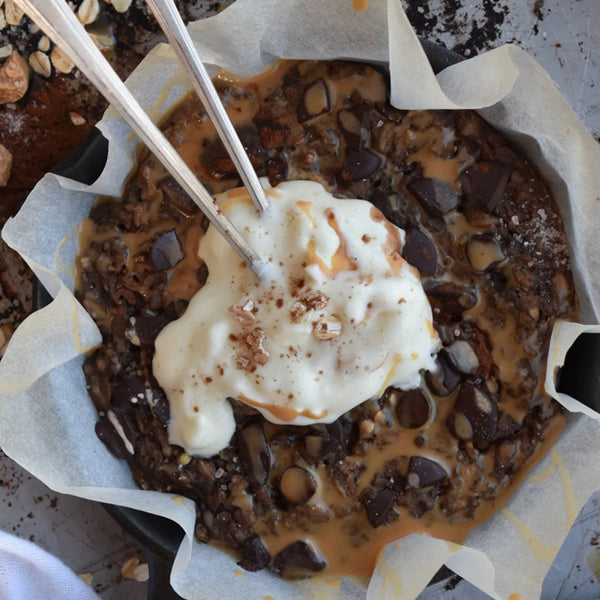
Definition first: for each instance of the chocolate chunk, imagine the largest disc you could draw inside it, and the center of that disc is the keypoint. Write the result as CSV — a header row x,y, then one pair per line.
x,y
254,555
166,251
462,357
129,390
379,506
481,411
483,252
350,125
277,169
435,196
297,485
218,162
360,164
160,405
176,196
340,429
255,454
423,472
485,181
320,448
148,326
298,561
445,379
413,409
419,251
449,301
315,101
108,435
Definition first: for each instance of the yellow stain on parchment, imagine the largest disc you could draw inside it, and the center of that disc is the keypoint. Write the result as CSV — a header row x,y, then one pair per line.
x,y
238,573
61,266
390,576
268,598
515,596
178,500
76,332
593,561
537,547
556,462
452,547
334,582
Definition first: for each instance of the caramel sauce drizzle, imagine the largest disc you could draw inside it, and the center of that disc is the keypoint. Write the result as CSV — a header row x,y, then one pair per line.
x,y
283,413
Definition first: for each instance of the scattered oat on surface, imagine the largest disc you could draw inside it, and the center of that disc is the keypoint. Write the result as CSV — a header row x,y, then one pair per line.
x,y
60,60
40,63
12,13
133,569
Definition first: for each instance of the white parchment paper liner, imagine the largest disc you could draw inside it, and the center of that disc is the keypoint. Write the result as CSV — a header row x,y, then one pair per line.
x,y
47,420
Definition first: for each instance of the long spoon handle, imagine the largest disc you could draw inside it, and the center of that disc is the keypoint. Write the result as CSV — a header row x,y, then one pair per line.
x,y
58,21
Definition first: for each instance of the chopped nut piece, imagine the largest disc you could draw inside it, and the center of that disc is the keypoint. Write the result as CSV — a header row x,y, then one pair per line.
x,y
5,51
13,13
14,78
311,301
5,165
88,11
76,118
60,60
367,427
328,328
44,43
2,19
242,313
40,63
133,569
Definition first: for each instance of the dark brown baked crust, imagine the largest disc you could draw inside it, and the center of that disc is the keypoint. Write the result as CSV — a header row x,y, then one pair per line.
x,y
489,243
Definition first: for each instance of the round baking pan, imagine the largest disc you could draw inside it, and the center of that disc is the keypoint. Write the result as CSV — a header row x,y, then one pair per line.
x,y
160,537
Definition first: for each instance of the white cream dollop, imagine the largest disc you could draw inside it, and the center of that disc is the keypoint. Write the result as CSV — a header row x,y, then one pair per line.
x,y
337,317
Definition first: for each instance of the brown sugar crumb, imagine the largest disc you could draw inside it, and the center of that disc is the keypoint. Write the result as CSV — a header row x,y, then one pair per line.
x,y
366,238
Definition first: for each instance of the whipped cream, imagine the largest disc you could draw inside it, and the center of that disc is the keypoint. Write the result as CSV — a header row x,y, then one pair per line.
x,y
337,318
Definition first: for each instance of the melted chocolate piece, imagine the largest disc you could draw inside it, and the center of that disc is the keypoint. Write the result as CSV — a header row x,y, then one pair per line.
x,y
108,435
445,380
166,251
481,411
298,561
485,182
360,164
449,301
176,196
379,506
434,195
254,555
255,453
315,101
419,251
423,472
412,408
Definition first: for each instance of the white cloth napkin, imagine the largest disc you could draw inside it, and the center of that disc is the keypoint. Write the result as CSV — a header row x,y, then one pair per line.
x,y
29,573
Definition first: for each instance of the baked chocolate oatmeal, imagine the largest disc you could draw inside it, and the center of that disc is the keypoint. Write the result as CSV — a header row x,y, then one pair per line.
x,y
488,242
